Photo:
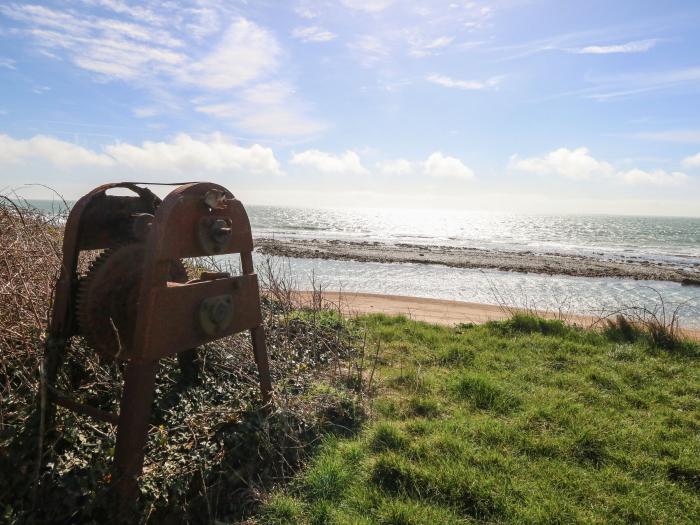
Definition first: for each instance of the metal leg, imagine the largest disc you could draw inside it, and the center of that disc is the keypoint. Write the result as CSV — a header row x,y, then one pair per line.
x,y
54,352
132,431
257,335
188,366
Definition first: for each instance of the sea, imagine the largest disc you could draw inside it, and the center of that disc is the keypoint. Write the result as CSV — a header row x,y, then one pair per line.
x,y
672,240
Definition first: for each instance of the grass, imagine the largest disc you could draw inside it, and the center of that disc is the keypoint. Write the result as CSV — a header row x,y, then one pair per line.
x,y
522,421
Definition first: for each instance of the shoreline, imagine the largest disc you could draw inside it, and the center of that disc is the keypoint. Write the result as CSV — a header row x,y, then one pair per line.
x,y
441,311
474,258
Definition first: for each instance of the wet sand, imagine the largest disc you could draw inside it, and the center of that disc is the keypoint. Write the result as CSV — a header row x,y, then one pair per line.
x,y
438,311
525,262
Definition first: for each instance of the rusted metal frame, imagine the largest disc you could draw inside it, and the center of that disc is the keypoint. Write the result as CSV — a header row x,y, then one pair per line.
x,y
65,401
257,336
132,430
167,239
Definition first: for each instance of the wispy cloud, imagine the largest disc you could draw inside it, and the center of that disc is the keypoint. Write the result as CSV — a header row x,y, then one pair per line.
x,y
422,48
369,50
369,6
7,63
267,109
313,34
474,85
619,86
683,136
155,50
637,46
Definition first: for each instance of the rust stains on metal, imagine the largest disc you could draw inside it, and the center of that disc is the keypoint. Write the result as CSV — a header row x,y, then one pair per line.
x,y
136,305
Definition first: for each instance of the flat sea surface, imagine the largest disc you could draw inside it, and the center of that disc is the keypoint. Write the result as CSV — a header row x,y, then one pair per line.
x,y
674,240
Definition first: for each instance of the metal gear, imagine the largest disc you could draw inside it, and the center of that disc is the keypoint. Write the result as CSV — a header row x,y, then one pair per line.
x,y
107,297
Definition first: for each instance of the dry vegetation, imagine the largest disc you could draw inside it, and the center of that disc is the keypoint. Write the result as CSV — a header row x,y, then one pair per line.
x,y
212,452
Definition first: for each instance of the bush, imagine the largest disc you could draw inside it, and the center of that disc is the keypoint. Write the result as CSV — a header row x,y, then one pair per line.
x,y
212,453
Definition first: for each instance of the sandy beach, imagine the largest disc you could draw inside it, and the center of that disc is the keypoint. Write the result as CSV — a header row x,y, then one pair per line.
x,y
526,261
441,311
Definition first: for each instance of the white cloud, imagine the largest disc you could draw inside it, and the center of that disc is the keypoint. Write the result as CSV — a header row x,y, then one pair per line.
x,y
347,163
213,154
192,156
656,177
49,150
692,162
464,84
245,53
369,6
439,165
396,167
578,164
306,10
313,34
574,164
638,46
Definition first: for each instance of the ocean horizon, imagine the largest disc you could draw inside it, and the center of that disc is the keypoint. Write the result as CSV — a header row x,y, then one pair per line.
x,y
672,241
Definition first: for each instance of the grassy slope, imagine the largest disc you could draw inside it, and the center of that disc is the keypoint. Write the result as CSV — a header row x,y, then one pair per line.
x,y
517,422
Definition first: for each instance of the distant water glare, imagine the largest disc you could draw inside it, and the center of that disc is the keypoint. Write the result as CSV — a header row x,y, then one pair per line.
x,y
672,239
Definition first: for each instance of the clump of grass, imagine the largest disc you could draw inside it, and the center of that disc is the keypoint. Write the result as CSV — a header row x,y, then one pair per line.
x,y
530,324
457,353
658,324
621,330
484,393
423,407
328,478
395,473
386,436
282,510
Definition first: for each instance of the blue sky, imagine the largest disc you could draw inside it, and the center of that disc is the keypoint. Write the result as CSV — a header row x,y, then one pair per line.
x,y
544,106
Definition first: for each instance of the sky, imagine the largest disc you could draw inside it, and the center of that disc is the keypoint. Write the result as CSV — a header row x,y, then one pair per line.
x,y
522,105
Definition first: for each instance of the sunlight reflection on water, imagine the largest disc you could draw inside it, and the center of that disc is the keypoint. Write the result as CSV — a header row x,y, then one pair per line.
x,y
585,295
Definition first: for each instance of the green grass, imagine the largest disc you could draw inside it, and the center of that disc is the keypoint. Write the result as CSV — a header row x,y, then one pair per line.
x,y
523,421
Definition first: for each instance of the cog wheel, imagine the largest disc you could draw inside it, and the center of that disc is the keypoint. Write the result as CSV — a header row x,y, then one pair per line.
x,y
107,296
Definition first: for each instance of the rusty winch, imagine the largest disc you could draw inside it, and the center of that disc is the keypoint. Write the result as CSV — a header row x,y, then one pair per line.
x,y
135,303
